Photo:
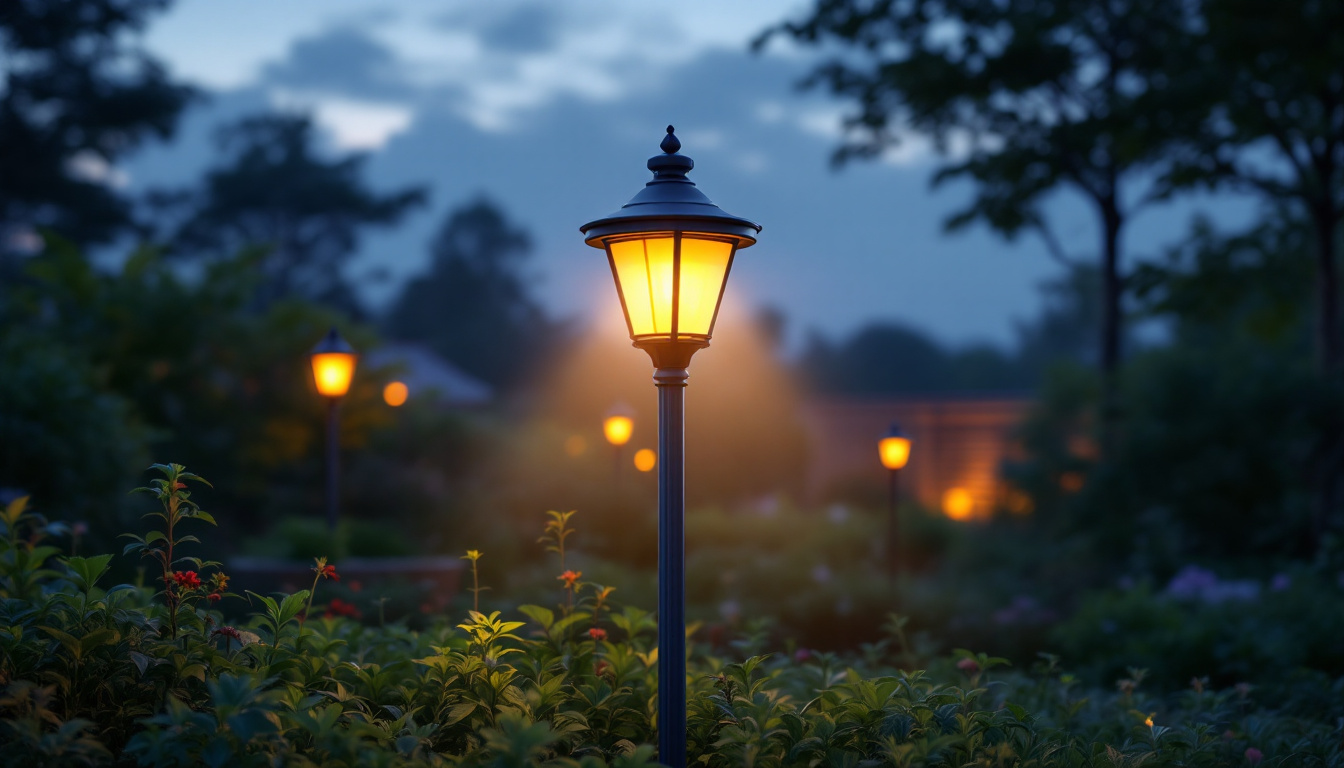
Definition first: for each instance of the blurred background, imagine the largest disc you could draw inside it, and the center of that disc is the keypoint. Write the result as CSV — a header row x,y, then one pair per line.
x,y
1085,255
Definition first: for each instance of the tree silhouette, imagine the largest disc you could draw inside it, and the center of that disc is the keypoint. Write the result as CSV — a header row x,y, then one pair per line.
x,y
1024,98
473,306
274,190
76,96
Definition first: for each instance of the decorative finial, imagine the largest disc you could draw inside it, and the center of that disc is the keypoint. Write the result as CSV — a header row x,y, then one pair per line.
x,y
670,143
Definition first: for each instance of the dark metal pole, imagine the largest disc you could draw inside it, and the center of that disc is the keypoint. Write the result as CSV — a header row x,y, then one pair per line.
x,y
893,503
671,384
333,461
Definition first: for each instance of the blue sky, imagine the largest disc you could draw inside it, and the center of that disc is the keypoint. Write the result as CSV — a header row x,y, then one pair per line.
x,y
551,108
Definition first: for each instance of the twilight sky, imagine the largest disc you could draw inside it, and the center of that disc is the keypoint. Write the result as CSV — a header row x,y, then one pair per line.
x,y
550,109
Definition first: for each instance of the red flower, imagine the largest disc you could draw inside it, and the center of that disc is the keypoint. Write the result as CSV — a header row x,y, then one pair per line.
x,y
229,632
329,572
214,597
187,579
569,577
339,607
597,634
601,667
969,666
355,584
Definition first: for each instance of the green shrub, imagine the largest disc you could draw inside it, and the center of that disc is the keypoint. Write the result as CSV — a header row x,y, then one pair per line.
x,y
95,676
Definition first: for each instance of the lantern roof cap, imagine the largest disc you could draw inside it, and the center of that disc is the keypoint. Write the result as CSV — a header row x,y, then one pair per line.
x,y
332,343
670,202
896,431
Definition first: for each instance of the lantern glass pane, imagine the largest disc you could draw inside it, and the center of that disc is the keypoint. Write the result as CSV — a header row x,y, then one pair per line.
x,y
332,372
895,451
644,269
704,267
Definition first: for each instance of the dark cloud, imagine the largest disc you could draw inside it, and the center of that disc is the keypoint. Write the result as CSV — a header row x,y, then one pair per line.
x,y
526,29
341,60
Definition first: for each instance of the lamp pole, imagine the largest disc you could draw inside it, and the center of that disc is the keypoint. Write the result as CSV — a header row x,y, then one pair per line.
x,y
333,460
894,451
670,251
333,362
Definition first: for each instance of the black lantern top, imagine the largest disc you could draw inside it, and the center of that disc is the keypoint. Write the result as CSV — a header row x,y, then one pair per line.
x,y
671,202
332,343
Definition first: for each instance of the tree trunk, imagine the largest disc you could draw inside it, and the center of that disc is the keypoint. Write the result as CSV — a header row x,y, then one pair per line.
x,y
1112,295
1329,357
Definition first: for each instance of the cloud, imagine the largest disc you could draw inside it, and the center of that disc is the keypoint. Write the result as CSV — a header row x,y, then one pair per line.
x,y
351,124
340,60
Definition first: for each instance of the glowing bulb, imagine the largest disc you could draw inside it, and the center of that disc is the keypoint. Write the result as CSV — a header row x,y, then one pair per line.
x,y
645,460
395,394
618,429
332,372
958,503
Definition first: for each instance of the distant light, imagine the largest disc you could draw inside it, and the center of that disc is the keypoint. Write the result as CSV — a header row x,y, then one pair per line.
x,y
958,503
1071,482
395,394
575,446
618,429
645,460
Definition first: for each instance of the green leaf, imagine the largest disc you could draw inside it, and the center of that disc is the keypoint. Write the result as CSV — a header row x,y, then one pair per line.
x,y
543,616
87,570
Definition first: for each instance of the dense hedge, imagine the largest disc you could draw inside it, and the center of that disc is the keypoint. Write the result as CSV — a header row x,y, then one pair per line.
x,y
138,675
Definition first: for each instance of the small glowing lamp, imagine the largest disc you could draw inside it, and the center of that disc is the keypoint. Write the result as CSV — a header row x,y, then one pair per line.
x,y
958,503
333,365
670,250
645,460
619,424
894,448
395,394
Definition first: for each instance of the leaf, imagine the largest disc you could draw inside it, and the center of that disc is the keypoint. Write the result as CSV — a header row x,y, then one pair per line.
x,y
543,616
15,510
459,712
88,570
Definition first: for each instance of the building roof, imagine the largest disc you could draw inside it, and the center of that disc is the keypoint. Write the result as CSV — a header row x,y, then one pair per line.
x,y
423,371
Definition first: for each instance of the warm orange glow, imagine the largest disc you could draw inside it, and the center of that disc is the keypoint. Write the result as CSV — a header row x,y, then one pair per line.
x,y
645,272
618,429
332,372
575,446
1071,482
958,503
645,460
894,451
395,394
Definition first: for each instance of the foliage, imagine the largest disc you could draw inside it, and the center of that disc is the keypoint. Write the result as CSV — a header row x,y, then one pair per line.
x,y
273,190
78,95
63,438
92,678
473,306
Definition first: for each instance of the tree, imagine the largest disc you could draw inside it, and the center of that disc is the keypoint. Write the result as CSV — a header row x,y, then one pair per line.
x,y
76,97
274,190
1024,98
1274,68
473,306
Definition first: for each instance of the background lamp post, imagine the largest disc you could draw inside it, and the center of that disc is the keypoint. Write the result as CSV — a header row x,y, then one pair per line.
x,y
894,450
617,427
670,250
333,367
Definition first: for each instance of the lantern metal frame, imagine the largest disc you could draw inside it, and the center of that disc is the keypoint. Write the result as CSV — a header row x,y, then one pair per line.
x,y
332,343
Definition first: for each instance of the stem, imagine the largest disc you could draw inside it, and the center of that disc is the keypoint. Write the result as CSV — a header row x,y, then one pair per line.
x,y
475,589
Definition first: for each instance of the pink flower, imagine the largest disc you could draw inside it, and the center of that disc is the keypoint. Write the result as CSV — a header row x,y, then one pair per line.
x,y
229,632
801,655
1254,756
968,665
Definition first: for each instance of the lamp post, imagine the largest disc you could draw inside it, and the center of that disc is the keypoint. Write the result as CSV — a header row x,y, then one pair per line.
x,y
333,363
617,427
894,450
670,250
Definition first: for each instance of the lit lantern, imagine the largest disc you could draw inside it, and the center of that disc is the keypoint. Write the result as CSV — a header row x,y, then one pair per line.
x,y
670,250
618,425
333,365
645,460
894,449
395,394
